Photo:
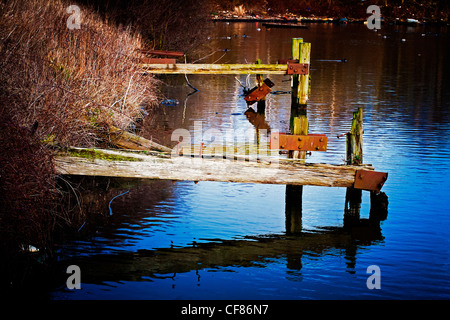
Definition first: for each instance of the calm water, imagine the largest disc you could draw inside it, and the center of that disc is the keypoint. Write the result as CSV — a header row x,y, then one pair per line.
x,y
228,241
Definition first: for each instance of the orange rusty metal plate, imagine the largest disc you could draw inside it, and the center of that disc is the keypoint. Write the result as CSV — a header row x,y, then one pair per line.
x,y
310,142
370,180
257,93
298,68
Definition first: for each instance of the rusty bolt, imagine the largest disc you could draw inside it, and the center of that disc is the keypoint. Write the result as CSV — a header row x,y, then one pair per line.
x,y
321,139
299,139
317,148
360,176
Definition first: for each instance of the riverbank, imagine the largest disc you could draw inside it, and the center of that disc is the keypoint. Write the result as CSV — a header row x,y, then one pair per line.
x,y
63,81
409,13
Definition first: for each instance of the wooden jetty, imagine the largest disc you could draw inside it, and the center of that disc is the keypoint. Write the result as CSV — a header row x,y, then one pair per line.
x,y
159,162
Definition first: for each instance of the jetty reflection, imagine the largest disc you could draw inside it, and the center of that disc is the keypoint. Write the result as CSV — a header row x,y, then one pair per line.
x,y
251,251
254,251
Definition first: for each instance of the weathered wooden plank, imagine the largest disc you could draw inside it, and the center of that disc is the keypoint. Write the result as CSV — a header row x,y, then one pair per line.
x,y
215,68
268,171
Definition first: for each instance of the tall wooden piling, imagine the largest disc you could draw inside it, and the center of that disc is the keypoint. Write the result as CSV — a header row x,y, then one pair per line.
x,y
354,140
260,104
300,88
301,51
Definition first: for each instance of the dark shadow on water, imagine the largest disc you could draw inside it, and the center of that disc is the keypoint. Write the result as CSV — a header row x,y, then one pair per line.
x,y
166,262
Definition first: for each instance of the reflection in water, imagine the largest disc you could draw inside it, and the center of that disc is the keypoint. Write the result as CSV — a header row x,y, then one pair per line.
x,y
257,119
104,258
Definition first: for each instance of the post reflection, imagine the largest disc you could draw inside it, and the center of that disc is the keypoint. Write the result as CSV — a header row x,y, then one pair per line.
x,y
292,246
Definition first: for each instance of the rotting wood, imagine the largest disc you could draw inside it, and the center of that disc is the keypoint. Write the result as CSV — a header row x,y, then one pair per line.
x,y
127,140
355,139
200,169
187,68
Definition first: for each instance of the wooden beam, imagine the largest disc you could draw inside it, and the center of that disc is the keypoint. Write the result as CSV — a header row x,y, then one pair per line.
x,y
267,171
188,68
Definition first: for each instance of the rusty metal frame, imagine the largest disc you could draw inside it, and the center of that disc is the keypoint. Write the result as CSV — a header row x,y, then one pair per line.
x,y
310,142
370,180
298,68
259,92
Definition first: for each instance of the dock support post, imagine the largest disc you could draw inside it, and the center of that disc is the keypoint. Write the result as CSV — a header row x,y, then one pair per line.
x,y
260,104
354,157
293,209
298,125
355,139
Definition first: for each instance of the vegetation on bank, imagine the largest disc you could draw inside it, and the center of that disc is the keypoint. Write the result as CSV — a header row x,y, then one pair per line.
x,y
58,86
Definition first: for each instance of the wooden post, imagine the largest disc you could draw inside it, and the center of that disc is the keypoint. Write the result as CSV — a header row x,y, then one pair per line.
x,y
353,199
354,157
260,104
300,92
293,209
355,139
298,125
301,51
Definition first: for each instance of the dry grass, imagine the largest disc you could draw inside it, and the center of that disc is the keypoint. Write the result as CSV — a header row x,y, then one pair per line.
x,y
57,86
70,81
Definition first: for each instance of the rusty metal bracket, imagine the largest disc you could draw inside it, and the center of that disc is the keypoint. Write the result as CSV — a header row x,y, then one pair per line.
x,y
370,180
310,142
298,68
259,92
